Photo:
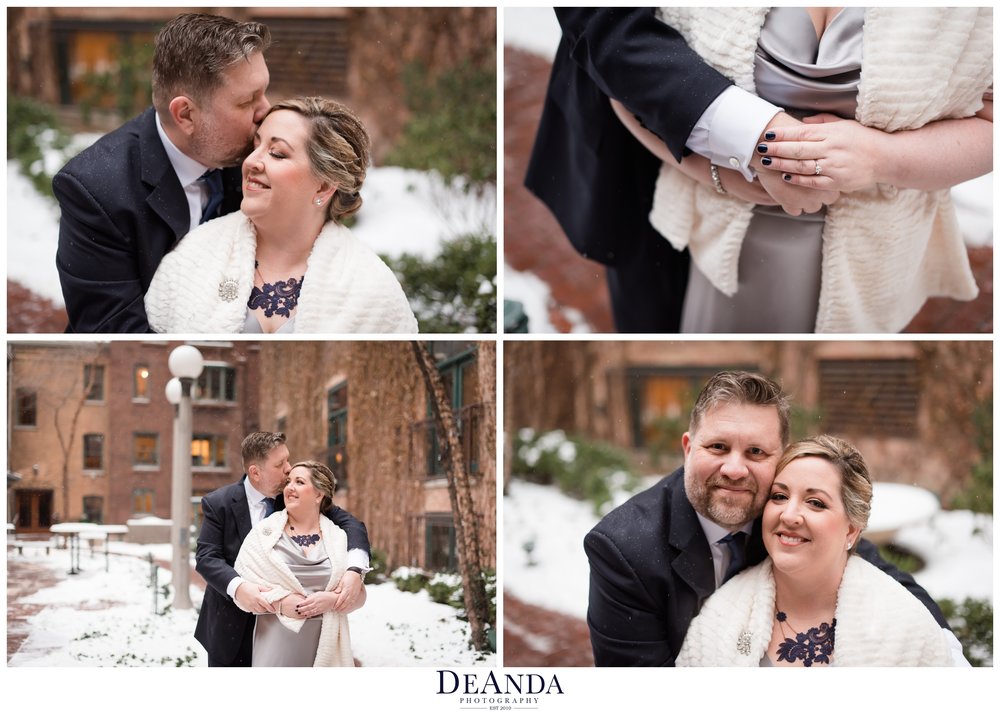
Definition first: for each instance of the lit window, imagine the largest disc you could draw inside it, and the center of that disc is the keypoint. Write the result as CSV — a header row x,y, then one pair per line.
x,y
141,382
145,451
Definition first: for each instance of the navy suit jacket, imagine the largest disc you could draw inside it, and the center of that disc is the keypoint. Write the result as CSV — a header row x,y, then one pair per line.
x,y
594,176
651,569
123,209
222,625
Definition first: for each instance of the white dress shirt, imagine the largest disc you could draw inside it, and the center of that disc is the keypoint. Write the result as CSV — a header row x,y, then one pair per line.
x,y
188,172
728,131
720,551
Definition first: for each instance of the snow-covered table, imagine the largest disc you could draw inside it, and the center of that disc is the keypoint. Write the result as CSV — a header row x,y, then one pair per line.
x,y
895,505
72,531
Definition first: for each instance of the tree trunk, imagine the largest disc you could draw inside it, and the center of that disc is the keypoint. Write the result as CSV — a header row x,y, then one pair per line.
x,y
466,528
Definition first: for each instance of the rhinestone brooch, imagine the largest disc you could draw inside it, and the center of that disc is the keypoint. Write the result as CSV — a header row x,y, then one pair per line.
x,y
229,289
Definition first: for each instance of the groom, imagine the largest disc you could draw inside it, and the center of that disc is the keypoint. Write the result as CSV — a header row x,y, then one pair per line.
x,y
224,628
130,197
598,180
656,559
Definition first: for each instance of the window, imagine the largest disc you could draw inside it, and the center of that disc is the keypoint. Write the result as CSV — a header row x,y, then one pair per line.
x,y
93,382
93,452
145,448
93,509
27,407
208,450
336,432
458,372
140,382
142,501
439,547
660,401
217,383
871,397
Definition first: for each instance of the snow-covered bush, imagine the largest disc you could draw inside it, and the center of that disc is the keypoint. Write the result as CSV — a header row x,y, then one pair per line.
x,y
587,470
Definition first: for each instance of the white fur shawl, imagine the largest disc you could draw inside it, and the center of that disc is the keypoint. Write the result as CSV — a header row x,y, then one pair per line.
x,y
258,563
879,623
204,283
885,251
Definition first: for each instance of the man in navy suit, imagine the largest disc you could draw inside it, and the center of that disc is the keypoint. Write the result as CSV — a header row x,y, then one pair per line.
x,y
658,557
224,629
598,180
129,198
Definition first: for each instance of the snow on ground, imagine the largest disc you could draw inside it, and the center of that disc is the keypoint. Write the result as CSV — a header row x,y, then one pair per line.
x,y
106,619
534,295
956,545
405,211
532,29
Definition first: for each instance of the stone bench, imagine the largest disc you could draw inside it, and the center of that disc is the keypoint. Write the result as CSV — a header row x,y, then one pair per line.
x,y
20,545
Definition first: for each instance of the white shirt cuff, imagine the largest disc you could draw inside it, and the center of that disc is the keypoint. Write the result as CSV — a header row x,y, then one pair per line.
x,y
728,131
358,558
231,588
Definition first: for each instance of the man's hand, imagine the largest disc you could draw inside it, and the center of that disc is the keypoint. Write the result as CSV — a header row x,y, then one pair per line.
x,y
749,191
248,595
350,592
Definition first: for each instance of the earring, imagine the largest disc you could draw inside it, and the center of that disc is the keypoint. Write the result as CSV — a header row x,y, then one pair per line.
x,y
318,201
849,544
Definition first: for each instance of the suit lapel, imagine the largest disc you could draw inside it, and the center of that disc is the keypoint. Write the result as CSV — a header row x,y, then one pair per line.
x,y
166,197
693,563
241,509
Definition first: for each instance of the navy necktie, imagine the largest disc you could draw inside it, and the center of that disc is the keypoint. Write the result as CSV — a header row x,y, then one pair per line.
x,y
268,507
213,180
736,542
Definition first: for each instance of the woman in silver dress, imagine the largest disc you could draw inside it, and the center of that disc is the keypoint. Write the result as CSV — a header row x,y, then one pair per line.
x,y
300,555
897,105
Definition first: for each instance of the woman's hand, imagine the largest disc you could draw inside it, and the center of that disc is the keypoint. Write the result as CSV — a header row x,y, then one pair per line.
x,y
288,606
846,153
316,604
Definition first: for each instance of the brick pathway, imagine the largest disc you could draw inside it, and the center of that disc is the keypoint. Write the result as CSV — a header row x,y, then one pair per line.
x,y
536,637
27,577
533,241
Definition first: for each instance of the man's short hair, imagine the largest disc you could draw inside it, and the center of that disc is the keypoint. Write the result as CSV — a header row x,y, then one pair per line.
x,y
736,387
258,445
192,51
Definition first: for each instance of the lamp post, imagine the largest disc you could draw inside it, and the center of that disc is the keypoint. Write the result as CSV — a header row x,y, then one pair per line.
x,y
185,364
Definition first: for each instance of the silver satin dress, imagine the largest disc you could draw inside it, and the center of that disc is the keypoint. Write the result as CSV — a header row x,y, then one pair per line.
x,y
274,645
781,256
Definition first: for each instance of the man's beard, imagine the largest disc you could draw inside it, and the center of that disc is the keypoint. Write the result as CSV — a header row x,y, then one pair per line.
x,y
210,152
715,505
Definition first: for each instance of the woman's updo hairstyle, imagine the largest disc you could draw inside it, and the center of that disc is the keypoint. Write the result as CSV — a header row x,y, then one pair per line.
x,y
339,149
322,479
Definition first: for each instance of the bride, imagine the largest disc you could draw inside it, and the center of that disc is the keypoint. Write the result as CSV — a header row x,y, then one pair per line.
x,y
285,262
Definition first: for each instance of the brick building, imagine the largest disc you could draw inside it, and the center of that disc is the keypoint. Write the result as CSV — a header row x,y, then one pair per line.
x,y
100,56
362,408
90,432
912,408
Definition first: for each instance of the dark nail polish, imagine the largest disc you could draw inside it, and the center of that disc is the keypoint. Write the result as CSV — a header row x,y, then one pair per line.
x,y
787,177
766,161
761,148
770,136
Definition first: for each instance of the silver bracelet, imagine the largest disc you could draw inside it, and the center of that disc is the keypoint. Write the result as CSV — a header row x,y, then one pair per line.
x,y
715,178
